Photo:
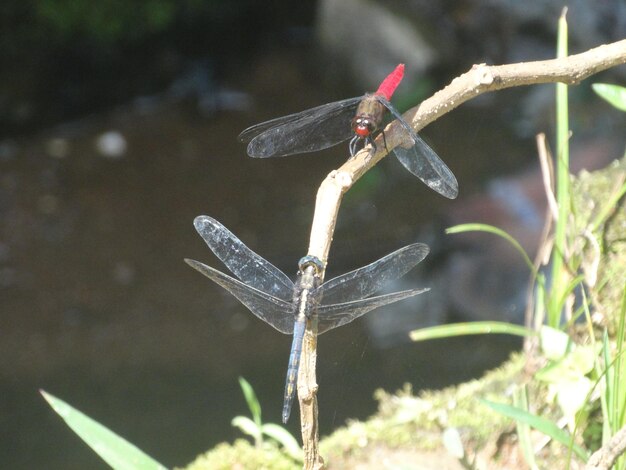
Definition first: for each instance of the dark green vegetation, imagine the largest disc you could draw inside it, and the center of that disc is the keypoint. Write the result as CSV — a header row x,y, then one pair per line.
x,y
62,58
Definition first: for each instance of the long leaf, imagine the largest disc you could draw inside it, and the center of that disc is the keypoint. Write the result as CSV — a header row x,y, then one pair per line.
x,y
559,271
609,421
614,94
619,383
469,328
284,438
496,231
541,424
252,400
520,399
113,449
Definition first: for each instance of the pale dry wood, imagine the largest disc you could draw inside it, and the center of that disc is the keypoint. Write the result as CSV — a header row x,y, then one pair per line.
x,y
605,457
478,80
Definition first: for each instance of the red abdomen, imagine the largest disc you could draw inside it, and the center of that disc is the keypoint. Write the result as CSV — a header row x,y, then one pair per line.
x,y
389,84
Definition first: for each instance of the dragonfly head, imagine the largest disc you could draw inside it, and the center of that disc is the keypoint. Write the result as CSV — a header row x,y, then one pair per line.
x,y
312,261
363,126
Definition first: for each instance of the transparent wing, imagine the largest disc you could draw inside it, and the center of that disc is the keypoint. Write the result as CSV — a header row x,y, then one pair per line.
x,y
251,132
276,312
364,281
244,263
422,161
307,131
332,316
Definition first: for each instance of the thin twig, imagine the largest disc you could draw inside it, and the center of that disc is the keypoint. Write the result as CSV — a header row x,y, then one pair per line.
x,y
534,315
547,173
480,79
605,457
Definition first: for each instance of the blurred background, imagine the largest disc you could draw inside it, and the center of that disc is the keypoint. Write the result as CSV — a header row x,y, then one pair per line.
x,y
119,124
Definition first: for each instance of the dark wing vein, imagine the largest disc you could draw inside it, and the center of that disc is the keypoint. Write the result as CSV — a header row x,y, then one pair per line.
x,y
271,310
335,315
422,161
249,267
364,281
308,131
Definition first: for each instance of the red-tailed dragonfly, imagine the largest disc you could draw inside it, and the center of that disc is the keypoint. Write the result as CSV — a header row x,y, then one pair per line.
x,y
270,295
356,119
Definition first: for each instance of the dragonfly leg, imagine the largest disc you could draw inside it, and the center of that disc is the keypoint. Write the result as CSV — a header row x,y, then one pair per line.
x,y
385,141
370,141
373,144
353,144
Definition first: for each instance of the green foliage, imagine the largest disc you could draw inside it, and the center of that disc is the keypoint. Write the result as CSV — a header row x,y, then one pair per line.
x,y
113,449
581,376
242,455
541,424
256,429
520,400
496,231
566,371
613,370
469,328
122,455
614,94
112,21
405,421
106,21
560,273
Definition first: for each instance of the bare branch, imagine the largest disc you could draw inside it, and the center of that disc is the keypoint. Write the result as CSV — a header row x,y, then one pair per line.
x,y
605,457
478,80
485,78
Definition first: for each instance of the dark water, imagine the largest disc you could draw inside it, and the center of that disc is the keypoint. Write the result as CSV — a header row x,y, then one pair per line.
x,y
99,309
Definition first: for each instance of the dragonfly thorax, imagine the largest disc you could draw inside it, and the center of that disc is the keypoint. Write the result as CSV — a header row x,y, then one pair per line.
x,y
313,261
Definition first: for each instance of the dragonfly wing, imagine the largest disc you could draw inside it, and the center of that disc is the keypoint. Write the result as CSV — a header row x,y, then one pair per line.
x,y
307,131
332,316
276,312
422,161
249,267
364,281
251,132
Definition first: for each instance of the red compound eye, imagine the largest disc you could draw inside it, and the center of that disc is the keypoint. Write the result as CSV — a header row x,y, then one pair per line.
x,y
362,130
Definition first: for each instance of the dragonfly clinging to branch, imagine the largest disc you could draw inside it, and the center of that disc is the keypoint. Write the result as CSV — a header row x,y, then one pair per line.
x,y
270,295
356,119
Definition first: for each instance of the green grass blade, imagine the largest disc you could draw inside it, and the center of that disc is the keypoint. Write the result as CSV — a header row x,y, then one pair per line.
x,y
469,328
247,426
520,400
566,290
496,231
284,438
620,368
609,388
251,400
541,424
614,94
559,272
113,449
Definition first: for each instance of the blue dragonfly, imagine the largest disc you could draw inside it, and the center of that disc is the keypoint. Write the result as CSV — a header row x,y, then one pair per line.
x,y
270,295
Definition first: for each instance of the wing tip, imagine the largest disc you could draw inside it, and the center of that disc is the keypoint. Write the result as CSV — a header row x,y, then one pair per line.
x,y
202,221
422,250
192,262
453,191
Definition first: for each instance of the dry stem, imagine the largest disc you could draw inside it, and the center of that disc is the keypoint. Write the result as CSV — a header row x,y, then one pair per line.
x,y
478,80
